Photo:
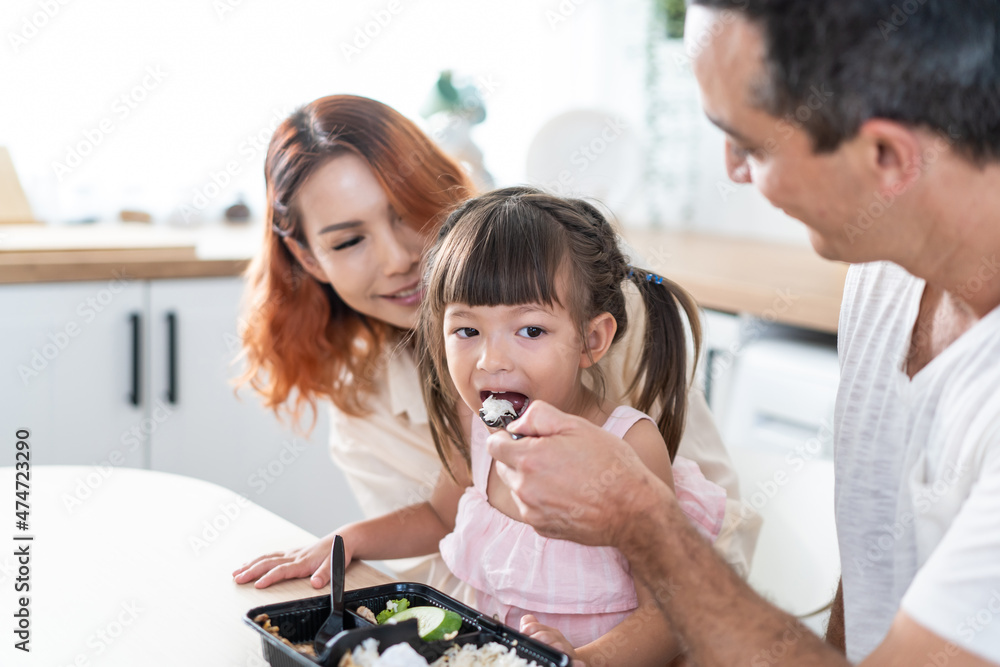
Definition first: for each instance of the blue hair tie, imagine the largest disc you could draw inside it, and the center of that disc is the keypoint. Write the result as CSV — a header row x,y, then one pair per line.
x,y
650,277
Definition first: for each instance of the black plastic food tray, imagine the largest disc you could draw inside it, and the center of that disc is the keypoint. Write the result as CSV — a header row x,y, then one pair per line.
x,y
300,620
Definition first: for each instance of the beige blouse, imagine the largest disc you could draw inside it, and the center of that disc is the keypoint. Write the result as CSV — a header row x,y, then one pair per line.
x,y
390,462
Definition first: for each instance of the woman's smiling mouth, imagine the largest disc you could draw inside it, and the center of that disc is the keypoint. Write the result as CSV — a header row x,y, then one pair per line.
x,y
408,296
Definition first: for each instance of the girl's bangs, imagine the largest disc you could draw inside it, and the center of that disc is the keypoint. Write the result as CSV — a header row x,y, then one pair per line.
x,y
507,257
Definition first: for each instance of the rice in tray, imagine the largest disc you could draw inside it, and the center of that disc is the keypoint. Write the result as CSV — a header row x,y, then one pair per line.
x,y
366,655
402,655
488,655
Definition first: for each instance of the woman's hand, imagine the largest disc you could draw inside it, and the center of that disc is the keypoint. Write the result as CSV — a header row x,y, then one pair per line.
x,y
312,561
548,635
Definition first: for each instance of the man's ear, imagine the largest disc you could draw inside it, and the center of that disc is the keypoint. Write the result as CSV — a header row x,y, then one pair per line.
x,y
305,258
894,153
600,332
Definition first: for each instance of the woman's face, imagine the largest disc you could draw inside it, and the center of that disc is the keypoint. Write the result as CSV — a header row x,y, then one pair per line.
x,y
357,242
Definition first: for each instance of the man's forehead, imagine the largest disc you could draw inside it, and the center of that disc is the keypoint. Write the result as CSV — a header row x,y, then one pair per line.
x,y
724,33
727,53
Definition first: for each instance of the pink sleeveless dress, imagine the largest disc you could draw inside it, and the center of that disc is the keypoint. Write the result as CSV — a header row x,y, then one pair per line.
x,y
582,591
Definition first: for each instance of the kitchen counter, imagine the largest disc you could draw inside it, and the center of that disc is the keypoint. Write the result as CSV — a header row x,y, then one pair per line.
x,y
778,282
39,254
133,567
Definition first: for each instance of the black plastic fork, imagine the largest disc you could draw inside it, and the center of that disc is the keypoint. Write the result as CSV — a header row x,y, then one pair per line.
x,y
334,623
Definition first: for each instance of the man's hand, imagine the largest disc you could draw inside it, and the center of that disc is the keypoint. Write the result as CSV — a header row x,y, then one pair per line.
x,y
572,479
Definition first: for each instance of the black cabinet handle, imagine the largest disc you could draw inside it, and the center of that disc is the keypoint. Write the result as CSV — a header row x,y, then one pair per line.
x,y
134,398
172,358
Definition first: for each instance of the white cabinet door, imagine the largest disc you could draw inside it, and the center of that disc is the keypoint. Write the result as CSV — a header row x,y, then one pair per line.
x,y
203,430
68,372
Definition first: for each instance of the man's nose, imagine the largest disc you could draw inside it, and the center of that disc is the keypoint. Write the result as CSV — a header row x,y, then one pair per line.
x,y
736,165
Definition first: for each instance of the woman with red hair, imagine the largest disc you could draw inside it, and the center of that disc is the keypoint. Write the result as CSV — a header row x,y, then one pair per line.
x,y
356,193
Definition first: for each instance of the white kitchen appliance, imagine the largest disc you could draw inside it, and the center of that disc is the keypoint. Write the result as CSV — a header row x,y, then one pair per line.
x,y
777,422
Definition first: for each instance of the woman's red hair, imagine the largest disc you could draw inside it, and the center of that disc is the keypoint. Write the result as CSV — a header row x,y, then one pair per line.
x,y
300,336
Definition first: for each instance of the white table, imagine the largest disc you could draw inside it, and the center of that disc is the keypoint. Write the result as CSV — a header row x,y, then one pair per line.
x,y
133,567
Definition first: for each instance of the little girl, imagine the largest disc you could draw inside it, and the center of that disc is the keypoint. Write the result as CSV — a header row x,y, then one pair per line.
x,y
525,293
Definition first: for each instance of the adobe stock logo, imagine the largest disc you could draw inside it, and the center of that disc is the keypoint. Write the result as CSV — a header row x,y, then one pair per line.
x,y
364,34
121,108
31,25
57,341
900,15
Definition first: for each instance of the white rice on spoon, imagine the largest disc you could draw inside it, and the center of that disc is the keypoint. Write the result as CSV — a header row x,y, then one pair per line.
x,y
495,408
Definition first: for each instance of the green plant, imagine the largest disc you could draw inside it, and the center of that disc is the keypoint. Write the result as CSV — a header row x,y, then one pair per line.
x,y
671,13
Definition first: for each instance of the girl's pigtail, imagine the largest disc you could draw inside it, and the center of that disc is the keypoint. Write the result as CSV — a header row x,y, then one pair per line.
x,y
664,363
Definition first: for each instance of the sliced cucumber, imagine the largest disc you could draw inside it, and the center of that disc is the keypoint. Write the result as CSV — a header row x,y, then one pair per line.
x,y
433,623
392,608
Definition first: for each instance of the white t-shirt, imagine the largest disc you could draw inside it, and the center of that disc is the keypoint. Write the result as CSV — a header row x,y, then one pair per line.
x,y
918,471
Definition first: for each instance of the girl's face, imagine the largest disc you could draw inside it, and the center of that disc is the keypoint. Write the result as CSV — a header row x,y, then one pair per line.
x,y
519,353
357,242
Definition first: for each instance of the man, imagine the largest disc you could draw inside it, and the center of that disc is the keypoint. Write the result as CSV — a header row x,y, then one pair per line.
x,y
877,124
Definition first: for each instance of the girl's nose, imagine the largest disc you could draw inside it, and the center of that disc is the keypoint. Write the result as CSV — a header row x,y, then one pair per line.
x,y
736,165
493,358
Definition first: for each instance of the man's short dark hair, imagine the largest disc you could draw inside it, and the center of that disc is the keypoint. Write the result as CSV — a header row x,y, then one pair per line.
x,y
928,63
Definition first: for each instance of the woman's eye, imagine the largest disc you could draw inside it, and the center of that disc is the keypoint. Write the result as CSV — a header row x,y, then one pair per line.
x,y
466,332
530,332
347,244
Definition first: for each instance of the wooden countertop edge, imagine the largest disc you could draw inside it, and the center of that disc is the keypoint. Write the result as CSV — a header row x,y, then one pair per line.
x,y
131,269
361,575
789,305
777,282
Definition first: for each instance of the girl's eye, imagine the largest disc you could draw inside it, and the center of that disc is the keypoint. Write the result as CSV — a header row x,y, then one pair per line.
x,y
347,244
530,332
466,332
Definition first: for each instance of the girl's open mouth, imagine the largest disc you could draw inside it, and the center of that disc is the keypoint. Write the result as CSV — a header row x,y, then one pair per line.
x,y
516,400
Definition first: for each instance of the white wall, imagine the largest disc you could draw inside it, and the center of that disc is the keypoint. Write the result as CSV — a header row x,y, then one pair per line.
x,y
229,74
229,69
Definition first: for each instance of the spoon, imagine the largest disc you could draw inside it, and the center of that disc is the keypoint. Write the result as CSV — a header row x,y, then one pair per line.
x,y
505,420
